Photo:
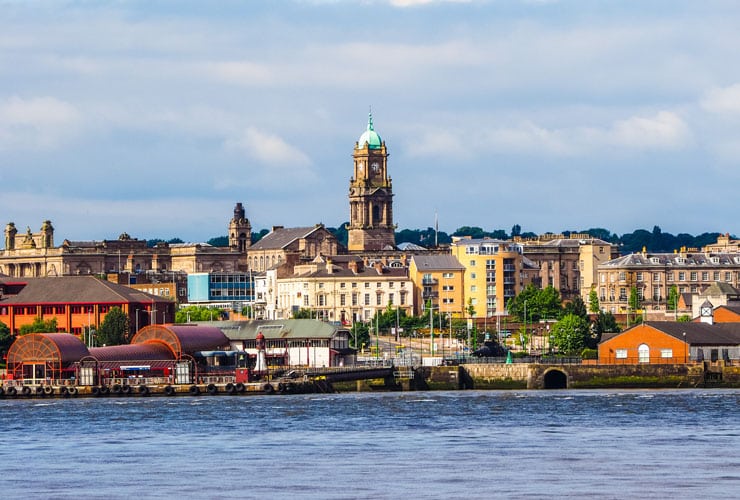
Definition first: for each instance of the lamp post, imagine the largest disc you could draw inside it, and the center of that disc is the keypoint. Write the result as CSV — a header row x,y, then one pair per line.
x,y
685,349
431,328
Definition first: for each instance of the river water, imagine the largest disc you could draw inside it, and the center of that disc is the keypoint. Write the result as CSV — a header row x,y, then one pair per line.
x,y
472,444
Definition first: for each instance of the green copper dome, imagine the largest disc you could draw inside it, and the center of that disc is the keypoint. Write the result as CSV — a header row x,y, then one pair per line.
x,y
370,136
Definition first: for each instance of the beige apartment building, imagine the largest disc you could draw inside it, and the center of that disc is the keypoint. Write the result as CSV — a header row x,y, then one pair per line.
x,y
495,271
653,274
339,294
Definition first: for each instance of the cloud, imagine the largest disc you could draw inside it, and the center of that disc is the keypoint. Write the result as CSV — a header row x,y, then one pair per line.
x,y
269,148
38,122
665,130
725,100
416,3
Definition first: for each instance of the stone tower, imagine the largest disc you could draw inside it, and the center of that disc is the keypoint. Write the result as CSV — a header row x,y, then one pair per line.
x,y
240,230
371,225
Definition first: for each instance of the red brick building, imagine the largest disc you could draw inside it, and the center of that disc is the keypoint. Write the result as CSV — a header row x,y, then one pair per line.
x,y
77,302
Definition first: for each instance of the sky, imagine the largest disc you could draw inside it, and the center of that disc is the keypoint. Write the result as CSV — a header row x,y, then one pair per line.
x,y
155,117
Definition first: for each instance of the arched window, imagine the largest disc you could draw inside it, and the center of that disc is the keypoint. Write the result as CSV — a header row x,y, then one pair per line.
x,y
643,354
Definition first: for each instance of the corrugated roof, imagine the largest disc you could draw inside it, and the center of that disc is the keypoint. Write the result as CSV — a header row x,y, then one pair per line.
x,y
54,347
184,338
133,352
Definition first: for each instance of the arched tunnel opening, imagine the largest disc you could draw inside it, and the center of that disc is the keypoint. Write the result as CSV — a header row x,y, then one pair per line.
x,y
555,379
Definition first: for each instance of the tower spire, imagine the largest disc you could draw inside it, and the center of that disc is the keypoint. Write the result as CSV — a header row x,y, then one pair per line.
x,y
370,118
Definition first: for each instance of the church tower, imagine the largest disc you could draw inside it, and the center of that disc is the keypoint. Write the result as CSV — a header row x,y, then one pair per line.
x,y
240,230
371,225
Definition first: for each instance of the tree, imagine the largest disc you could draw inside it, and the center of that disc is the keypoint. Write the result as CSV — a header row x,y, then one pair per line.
x,y
593,302
199,313
219,241
673,296
303,313
114,329
605,322
570,334
540,303
6,338
39,326
577,307
516,230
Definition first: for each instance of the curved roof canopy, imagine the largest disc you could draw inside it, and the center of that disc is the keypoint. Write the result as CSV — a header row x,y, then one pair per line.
x,y
150,351
183,339
56,348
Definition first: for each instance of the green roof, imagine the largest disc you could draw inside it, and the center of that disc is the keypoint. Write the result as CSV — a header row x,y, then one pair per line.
x,y
370,136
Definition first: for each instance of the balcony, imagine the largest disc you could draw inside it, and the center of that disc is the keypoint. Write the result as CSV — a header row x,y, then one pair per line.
x,y
429,295
429,281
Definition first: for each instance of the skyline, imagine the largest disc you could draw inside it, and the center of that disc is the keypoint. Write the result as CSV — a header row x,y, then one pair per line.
x,y
137,117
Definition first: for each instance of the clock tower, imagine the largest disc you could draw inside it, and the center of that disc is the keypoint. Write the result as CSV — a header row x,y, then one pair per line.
x,y
371,225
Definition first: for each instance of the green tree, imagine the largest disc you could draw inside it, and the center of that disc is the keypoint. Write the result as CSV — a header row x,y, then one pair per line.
x,y
303,313
577,307
570,334
115,328
39,326
593,301
6,338
540,304
673,296
199,313
605,322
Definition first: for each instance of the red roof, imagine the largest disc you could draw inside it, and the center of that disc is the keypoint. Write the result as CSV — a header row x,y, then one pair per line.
x,y
183,339
133,352
52,347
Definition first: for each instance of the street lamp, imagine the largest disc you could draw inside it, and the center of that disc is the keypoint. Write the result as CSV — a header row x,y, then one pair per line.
x,y
685,349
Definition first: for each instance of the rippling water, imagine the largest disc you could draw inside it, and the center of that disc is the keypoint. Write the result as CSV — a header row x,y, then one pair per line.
x,y
473,444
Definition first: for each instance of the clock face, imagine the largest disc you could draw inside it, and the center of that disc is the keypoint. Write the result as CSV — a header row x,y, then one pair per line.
x,y
706,311
375,167
360,166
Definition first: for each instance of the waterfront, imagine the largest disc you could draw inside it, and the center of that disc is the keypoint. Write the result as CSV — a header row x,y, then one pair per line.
x,y
613,444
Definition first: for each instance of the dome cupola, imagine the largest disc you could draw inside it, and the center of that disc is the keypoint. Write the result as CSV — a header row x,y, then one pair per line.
x,y
370,137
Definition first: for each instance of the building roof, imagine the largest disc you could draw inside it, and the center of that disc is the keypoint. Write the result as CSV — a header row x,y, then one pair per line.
x,y
185,338
276,329
677,260
370,136
280,238
697,334
437,262
150,351
718,289
408,246
73,289
61,348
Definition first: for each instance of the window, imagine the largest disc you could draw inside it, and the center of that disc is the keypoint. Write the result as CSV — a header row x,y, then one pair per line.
x,y
447,288
305,300
343,299
473,288
342,285
448,301
472,263
354,285
378,299
490,264
622,276
669,276
643,353
639,276
656,276
472,276
354,299
379,284
623,294
621,353
391,284
693,275
367,299
715,275
705,276
681,276
728,276
447,275
391,298
403,299
666,353
367,285
321,285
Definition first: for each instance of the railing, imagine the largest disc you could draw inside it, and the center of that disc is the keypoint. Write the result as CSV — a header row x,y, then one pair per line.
x,y
542,360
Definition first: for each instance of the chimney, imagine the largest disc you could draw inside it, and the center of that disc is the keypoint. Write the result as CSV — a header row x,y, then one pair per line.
x,y
329,266
379,267
275,228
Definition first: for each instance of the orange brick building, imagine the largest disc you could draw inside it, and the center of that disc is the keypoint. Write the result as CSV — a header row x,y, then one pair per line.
x,y
77,302
668,342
